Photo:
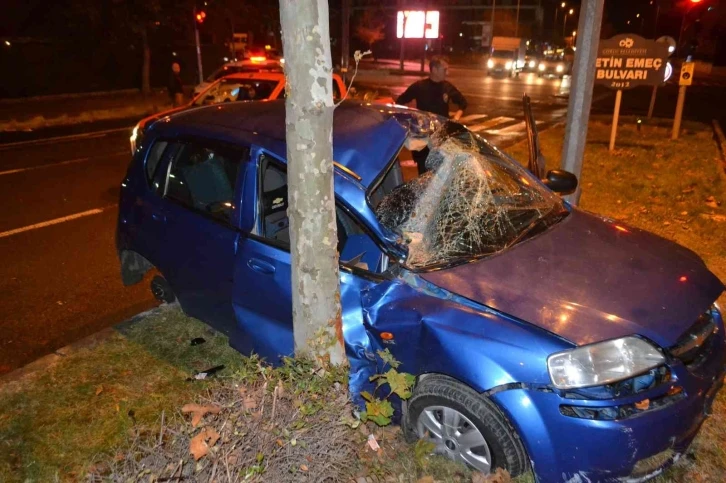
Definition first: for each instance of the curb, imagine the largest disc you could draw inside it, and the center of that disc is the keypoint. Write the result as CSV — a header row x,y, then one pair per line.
x,y
48,361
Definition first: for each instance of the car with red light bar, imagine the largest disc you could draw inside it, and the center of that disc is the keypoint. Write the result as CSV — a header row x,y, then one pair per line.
x,y
254,61
244,86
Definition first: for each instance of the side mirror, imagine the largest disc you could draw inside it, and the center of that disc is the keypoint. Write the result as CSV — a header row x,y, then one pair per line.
x,y
560,181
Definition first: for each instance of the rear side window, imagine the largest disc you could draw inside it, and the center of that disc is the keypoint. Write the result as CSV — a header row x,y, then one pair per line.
x,y
203,179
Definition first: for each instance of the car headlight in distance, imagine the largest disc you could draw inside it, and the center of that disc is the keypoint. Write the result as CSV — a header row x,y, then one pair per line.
x,y
508,65
532,64
560,68
603,363
490,63
542,67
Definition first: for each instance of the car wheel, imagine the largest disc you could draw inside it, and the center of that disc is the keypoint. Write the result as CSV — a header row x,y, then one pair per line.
x,y
161,290
463,426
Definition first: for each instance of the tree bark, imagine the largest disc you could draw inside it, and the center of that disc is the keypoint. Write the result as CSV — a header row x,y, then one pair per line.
x,y
309,125
146,66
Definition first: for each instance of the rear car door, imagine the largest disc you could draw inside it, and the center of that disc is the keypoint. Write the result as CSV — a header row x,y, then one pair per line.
x,y
198,227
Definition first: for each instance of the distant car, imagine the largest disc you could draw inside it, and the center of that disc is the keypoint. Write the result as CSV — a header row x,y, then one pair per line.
x,y
541,336
503,63
553,66
250,86
254,61
531,61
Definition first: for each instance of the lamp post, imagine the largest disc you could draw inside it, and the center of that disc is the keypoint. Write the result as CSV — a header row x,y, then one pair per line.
x,y
564,24
562,5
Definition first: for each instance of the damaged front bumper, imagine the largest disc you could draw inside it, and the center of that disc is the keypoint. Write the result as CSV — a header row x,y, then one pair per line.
x,y
565,446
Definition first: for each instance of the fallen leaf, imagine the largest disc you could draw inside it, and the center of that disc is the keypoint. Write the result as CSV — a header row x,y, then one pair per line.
x,y
200,444
99,390
199,411
304,467
249,403
425,479
684,213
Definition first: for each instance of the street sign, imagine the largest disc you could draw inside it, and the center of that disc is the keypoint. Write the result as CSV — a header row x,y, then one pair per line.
x,y
626,61
686,74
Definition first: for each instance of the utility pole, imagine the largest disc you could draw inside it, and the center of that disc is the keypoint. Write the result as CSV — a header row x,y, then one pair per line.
x,y
403,33
494,7
516,22
578,111
345,39
198,17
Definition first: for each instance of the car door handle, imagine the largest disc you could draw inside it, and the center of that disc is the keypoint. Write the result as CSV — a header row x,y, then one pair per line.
x,y
160,217
261,266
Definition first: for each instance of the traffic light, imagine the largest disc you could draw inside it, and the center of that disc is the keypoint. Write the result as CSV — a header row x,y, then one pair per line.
x,y
201,15
696,1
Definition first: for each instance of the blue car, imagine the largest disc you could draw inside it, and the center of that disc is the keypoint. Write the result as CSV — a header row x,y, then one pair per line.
x,y
542,337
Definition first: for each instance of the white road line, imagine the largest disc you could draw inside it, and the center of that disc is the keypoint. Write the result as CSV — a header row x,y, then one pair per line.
x,y
489,123
61,163
471,117
518,128
53,222
95,134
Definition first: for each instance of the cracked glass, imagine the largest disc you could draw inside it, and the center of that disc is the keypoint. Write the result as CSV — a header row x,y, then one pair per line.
x,y
473,201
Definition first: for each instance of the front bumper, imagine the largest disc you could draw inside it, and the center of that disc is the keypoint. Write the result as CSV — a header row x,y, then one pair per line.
x,y
567,448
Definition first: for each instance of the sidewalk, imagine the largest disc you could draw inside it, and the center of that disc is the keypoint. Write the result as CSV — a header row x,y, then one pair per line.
x,y
42,112
410,67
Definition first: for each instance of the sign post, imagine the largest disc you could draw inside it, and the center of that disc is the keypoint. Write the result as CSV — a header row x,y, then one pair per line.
x,y
627,61
685,80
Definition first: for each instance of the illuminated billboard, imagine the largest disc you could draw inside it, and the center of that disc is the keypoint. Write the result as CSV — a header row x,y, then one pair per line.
x,y
419,24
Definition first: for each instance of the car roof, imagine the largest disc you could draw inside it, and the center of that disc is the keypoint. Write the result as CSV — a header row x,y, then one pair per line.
x,y
266,75
365,139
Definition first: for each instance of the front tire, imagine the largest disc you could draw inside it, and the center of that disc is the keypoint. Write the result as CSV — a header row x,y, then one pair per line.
x,y
463,426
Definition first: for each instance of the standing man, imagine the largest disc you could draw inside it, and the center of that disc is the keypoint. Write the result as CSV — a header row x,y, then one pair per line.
x,y
433,95
176,88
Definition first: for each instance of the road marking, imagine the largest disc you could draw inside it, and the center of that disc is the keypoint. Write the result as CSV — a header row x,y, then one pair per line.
x,y
70,137
489,123
472,117
56,221
61,163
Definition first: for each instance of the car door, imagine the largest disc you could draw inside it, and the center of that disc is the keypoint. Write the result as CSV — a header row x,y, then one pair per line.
x,y
262,296
198,220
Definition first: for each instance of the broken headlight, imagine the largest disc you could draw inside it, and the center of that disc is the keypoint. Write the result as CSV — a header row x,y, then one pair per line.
x,y
603,363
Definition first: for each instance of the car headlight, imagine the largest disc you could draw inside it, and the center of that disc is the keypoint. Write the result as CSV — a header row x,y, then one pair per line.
x,y
542,67
560,68
603,363
508,65
490,63
532,64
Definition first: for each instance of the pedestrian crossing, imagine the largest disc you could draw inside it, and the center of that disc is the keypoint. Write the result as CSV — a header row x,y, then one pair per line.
x,y
494,126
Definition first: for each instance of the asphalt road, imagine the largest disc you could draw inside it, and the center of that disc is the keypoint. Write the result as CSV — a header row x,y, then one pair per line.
x,y
59,277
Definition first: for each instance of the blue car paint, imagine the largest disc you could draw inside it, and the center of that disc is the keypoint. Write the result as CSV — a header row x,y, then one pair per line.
x,y
445,321
590,280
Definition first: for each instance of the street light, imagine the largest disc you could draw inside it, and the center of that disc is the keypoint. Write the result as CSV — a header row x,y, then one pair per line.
x,y
564,24
562,5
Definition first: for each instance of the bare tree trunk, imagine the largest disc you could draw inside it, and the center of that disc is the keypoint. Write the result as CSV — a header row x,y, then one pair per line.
x,y
309,122
146,66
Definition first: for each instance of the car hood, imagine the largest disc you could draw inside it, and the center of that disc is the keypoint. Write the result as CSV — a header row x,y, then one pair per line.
x,y
589,279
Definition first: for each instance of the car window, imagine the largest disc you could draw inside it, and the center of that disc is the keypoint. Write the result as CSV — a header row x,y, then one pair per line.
x,y
203,179
355,247
153,158
229,90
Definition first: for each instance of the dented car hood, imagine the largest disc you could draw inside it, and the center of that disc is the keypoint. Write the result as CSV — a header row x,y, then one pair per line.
x,y
588,279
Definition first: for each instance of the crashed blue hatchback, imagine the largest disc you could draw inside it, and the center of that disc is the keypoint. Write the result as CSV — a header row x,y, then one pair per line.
x,y
542,336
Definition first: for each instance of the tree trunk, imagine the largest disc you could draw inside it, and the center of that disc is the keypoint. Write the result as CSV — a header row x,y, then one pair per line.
x,y
146,66
309,125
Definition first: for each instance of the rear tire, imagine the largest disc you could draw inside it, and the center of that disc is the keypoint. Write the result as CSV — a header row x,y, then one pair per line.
x,y
437,399
161,290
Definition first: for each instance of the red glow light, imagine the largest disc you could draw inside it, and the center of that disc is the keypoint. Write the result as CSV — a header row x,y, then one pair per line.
x,y
683,279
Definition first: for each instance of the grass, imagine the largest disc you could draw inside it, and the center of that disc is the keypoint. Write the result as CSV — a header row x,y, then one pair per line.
x,y
57,421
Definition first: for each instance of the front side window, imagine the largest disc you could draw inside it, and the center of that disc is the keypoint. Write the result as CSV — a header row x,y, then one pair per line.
x,y
355,247
203,179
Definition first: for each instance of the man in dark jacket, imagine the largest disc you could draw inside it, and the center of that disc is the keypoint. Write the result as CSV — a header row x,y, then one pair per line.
x,y
176,88
433,95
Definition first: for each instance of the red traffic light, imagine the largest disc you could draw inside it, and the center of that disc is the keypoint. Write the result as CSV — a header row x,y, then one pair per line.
x,y
201,16
696,1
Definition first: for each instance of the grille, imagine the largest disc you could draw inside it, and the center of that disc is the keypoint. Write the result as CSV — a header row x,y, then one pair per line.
x,y
694,346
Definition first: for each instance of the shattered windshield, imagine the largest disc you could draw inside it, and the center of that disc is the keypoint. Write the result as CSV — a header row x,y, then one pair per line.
x,y
472,202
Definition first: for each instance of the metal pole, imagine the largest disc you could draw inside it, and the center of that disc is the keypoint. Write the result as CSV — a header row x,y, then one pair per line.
x,y
655,24
564,28
345,39
494,6
199,50
516,22
679,112
680,32
652,102
403,34
583,79
616,115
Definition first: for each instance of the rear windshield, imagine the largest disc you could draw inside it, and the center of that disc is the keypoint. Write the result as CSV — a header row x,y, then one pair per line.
x,y
231,90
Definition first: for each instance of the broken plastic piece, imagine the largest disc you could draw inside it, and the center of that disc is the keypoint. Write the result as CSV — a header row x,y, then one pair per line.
x,y
209,372
198,341
373,443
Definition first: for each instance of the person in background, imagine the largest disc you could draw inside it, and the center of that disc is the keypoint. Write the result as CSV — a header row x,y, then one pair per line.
x,y
433,94
176,88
